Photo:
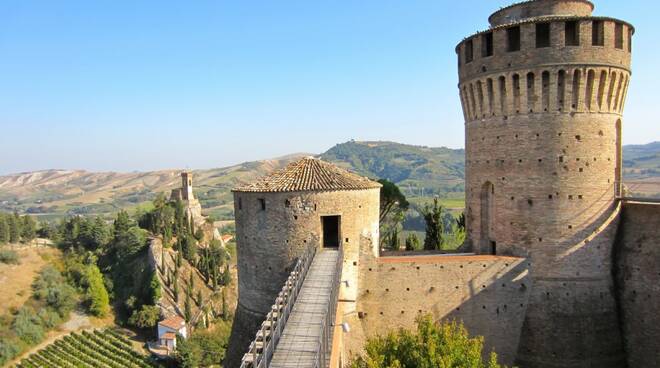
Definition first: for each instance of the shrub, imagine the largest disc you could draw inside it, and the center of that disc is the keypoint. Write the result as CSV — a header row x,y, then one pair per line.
x,y
432,345
147,317
8,256
27,326
99,302
8,350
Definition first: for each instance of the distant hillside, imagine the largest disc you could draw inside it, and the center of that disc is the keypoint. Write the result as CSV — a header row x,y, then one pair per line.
x,y
421,172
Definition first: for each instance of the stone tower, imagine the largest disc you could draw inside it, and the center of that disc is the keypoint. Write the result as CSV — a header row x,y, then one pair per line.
x,y
543,91
308,203
186,186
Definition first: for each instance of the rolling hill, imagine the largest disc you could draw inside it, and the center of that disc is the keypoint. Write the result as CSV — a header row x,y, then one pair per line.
x,y
420,171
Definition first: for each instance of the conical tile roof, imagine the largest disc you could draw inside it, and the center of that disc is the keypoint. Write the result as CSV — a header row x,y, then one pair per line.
x,y
309,174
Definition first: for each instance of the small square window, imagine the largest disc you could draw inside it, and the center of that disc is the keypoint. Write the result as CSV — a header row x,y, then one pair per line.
x,y
542,35
262,204
618,35
487,44
469,51
597,33
513,39
572,33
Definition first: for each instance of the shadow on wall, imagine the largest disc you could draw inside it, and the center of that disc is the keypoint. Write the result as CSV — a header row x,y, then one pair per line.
x,y
637,277
488,293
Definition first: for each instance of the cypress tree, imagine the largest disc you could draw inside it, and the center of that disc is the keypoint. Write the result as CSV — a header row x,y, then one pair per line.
x,y
28,229
14,228
225,308
200,300
187,308
4,229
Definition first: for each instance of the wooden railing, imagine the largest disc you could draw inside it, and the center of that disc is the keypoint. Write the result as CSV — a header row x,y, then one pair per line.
x,y
263,346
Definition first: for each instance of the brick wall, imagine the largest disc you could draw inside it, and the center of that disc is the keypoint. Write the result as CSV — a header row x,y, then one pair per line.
x,y
638,282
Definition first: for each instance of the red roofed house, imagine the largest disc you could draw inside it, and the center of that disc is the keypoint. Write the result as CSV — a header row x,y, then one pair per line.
x,y
168,329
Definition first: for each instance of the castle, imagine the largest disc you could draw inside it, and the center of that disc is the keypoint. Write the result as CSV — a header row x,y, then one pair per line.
x,y
562,269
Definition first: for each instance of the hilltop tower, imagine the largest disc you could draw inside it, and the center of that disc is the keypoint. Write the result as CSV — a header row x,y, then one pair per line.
x,y
308,203
185,194
543,91
186,185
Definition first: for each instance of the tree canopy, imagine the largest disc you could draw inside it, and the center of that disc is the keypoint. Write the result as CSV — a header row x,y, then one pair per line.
x,y
431,345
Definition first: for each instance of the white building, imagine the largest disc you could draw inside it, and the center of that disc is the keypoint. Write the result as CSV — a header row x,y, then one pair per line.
x,y
168,329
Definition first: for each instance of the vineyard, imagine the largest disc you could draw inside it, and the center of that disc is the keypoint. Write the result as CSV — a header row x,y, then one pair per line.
x,y
107,349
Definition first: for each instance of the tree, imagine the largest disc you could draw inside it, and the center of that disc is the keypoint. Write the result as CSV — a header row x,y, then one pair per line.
x,y
191,280
225,307
187,308
431,345
200,298
434,226
393,239
99,302
154,288
28,229
412,242
14,228
393,205
4,229
146,317
226,276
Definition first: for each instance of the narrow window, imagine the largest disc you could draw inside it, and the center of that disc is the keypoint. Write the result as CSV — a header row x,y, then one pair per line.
x,y
262,204
469,51
487,44
545,91
561,91
597,33
489,88
542,35
513,39
473,103
572,33
618,35
531,91
601,88
287,203
589,91
516,92
610,94
576,89
480,95
503,95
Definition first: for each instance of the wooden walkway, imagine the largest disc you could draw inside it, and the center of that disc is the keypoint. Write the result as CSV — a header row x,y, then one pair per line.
x,y
299,345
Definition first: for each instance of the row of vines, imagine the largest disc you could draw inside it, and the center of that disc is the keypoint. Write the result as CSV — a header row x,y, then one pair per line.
x,y
104,349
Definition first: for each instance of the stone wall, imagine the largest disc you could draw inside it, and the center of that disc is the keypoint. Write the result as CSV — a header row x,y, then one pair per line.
x,y
637,273
270,240
488,293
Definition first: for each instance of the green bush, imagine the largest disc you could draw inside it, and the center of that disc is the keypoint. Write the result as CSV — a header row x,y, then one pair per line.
x,y
8,256
146,317
445,345
99,301
8,350
27,326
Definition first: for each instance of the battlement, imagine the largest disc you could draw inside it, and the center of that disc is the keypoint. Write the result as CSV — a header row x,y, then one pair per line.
x,y
539,8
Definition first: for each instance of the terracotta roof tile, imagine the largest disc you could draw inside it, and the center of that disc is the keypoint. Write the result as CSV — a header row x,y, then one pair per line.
x,y
309,174
174,322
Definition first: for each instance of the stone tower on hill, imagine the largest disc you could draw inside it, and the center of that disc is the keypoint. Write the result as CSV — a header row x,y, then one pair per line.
x,y
543,91
308,203
185,194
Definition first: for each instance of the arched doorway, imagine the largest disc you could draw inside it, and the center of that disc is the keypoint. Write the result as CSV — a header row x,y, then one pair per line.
x,y
487,243
618,162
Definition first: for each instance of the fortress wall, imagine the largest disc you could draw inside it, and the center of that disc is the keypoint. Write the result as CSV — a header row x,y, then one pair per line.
x,y
488,293
637,273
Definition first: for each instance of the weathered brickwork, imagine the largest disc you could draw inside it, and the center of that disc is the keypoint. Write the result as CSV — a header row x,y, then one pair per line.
x,y
638,282
543,92
489,294
271,238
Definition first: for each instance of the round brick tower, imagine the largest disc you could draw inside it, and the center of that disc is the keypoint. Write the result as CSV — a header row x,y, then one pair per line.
x,y
543,91
308,203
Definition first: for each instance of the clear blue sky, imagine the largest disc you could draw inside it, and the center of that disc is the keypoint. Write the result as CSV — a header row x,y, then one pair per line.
x,y
143,85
